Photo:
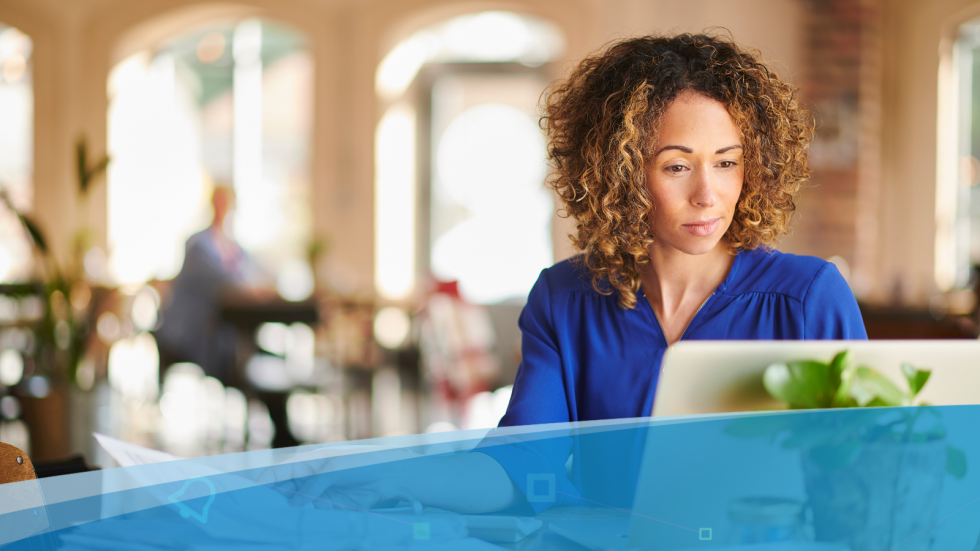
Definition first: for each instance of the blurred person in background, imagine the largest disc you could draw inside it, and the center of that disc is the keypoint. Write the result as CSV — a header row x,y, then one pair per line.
x,y
215,270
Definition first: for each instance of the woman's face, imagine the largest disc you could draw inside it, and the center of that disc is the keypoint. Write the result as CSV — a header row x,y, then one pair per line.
x,y
694,175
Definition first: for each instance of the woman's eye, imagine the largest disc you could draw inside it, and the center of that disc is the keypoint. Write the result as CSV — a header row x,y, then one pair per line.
x,y
727,164
675,169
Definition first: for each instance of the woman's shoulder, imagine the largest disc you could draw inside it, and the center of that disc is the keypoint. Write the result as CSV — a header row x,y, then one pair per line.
x,y
771,271
568,276
564,295
567,282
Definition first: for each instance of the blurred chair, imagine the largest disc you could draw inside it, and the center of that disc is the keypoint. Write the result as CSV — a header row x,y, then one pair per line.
x,y
15,466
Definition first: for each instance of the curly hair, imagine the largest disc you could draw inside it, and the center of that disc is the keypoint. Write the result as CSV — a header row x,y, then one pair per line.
x,y
602,122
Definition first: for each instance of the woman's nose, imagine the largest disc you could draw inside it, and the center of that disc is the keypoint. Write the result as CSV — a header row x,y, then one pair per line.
x,y
704,191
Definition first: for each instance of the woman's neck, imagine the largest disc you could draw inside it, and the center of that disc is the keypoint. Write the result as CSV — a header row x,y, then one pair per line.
x,y
677,284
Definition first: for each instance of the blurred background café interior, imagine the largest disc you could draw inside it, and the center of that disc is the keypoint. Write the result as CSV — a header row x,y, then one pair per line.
x,y
231,226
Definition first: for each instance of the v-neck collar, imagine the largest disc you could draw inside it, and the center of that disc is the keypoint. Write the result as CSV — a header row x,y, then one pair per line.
x,y
652,315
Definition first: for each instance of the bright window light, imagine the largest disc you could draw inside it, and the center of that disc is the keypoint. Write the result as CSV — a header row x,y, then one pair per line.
x,y
489,156
490,161
155,180
395,204
254,225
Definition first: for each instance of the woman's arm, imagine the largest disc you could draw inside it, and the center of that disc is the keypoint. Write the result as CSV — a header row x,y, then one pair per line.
x,y
468,483
541,396
539,390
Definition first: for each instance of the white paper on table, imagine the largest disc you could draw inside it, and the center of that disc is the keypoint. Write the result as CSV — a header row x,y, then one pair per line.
x,y
129,455
154,471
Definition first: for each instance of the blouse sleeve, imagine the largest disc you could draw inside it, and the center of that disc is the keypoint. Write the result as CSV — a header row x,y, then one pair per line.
x,y
535,461
829,308
539,389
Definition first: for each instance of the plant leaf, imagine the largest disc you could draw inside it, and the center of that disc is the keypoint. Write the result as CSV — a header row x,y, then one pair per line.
x,y
81,159
878,402
35,232
955,462
804,384
842,395
838,366
867,386
916,378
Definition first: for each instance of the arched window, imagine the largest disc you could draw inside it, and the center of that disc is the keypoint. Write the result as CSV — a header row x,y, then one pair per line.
x,y
16,149
461,101
227,103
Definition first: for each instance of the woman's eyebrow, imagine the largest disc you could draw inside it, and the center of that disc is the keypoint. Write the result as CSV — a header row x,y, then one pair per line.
x,y
727,149
689,150
677,147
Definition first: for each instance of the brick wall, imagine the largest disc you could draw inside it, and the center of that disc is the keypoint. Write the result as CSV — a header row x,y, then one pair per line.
x,y
838,84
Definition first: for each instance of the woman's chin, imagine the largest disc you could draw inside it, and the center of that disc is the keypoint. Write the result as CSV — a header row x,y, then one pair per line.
x,y
696,246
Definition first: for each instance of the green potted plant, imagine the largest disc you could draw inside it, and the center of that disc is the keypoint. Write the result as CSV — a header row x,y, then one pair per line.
x,y
64,328
62,331
873,476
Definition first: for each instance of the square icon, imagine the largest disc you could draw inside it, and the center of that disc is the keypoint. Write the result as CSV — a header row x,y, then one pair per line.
x,y
704,534
541,488
420,530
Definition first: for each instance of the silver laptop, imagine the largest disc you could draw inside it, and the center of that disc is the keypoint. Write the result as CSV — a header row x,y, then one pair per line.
x,y
717,377
699,377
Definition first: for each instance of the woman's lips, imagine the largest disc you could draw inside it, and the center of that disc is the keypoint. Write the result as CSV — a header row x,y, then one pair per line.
x,y
703,228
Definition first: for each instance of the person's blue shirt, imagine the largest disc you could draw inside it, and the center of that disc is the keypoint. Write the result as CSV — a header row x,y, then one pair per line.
x,y
586,358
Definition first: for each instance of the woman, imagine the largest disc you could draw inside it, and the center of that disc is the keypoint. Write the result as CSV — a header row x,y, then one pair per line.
x,y
679,159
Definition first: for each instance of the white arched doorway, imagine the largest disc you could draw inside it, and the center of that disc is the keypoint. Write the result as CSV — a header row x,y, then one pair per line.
x,y
459,159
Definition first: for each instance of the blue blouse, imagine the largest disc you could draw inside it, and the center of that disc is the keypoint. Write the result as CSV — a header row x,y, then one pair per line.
x,y
585,358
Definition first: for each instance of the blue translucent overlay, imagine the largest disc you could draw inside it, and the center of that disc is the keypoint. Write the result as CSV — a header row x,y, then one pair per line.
x,y
860,479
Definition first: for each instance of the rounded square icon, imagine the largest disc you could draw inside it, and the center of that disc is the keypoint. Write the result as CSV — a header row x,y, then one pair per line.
x,y
704,534
420,531
541,488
